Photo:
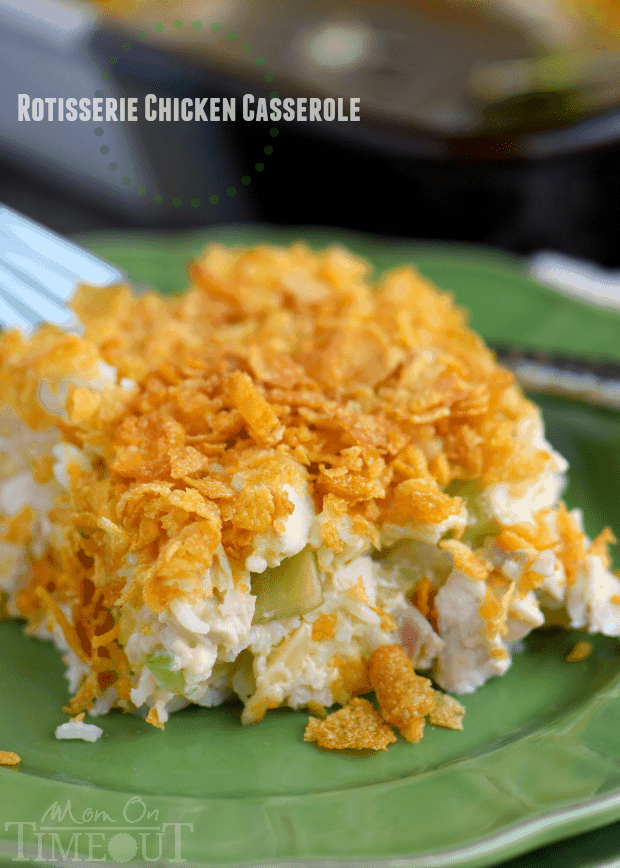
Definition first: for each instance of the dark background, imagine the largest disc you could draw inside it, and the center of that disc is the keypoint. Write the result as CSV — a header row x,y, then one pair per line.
x,y
568,203
522,192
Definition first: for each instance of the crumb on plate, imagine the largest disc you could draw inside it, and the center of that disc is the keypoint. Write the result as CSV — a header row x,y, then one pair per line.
x,y
77,729
154,719
8,758
447,712
580,651
356,726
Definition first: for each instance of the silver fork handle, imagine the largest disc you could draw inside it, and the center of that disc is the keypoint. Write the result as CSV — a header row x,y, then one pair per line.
x,y
595,381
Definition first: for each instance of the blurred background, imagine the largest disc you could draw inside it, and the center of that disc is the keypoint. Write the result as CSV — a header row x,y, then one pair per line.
x,y
489,121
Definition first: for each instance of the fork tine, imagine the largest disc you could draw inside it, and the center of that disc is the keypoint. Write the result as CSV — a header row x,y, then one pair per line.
x,y
24,295
62,253
54,280
39,271
10,317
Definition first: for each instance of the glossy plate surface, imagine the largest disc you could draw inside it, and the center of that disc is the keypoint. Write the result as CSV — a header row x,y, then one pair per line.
x,y
539,758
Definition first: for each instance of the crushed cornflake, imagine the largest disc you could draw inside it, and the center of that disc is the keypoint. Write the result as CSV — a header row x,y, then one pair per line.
x,y
447,712
8,758
357,726
404,697
581,650
154,719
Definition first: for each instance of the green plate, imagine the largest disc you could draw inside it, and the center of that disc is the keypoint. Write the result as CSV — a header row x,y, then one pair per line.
x,y
539,758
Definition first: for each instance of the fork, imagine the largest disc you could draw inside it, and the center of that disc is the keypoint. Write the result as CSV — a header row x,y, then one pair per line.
x,y
39,271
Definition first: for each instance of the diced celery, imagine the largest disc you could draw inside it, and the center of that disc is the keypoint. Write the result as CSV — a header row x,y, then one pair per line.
x,y
160,663
291,589
466,489
409,561
484,525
